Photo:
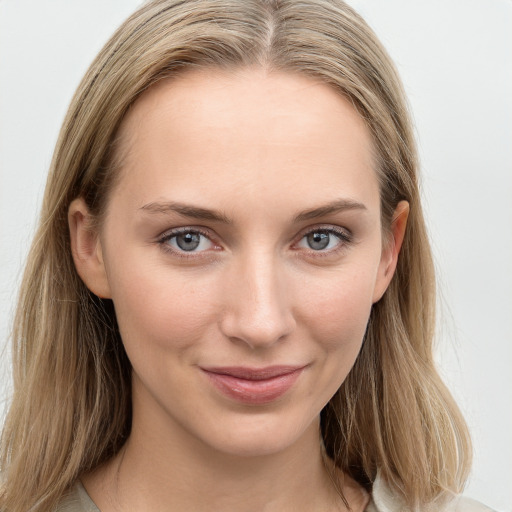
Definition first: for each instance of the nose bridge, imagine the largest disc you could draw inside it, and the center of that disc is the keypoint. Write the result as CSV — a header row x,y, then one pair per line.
x,y
259,311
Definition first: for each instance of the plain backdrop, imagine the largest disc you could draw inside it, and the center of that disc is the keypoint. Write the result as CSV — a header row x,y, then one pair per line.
x,y
455,57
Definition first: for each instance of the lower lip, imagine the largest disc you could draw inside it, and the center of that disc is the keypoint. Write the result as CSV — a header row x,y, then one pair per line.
x,y
254,392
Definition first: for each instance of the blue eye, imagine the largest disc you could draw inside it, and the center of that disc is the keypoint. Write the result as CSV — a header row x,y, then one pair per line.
x,y
188,240
322,239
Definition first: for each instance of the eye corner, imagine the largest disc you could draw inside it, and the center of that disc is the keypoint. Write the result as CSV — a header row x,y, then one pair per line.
x,y
331,240
199,238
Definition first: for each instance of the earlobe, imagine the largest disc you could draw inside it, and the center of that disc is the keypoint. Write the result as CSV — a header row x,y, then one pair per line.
x,y
390,253
86,249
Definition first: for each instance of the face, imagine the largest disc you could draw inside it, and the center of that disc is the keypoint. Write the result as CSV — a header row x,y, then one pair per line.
x,y
243,251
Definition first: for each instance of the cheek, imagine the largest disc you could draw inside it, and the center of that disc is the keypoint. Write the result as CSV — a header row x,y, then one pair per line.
x,y
161,308
337,309
335,312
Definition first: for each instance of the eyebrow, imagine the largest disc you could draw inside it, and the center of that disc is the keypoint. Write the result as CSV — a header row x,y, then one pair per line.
x,y
186,210
337,206
196,212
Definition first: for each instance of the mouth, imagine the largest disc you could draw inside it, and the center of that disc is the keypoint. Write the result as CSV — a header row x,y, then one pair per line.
x,y
254,386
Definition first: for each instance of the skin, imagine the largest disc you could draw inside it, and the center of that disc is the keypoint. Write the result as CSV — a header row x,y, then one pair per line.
x,y
261,150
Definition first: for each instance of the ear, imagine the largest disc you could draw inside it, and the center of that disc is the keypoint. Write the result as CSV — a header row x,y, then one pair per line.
x,y
86,249
389,257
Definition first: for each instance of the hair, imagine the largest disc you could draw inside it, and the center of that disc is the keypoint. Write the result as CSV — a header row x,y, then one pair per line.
x,y
71,408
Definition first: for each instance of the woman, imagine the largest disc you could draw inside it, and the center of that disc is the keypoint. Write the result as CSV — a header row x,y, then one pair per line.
x,y
229,303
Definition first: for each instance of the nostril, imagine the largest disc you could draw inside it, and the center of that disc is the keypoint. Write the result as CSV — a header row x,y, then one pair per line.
x,y
257,307
257,325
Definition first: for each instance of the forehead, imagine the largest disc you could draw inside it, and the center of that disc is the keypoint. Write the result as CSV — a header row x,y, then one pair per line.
x,y
250,131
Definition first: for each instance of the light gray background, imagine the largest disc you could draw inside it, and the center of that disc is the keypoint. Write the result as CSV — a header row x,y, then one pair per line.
x,y
455,57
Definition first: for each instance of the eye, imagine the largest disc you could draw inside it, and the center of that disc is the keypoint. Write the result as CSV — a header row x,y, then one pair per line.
x,y
186,240
323,239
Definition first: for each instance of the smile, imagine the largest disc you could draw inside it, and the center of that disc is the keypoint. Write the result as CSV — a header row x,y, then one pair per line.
x,y
254,386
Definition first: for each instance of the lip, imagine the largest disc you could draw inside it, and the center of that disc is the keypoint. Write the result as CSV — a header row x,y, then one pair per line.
x,y
253,386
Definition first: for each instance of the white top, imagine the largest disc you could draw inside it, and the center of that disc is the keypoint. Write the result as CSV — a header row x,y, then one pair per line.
x,y
382,500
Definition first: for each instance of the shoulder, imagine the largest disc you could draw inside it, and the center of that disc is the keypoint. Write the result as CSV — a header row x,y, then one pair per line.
x,y
77,500
463,504
384,500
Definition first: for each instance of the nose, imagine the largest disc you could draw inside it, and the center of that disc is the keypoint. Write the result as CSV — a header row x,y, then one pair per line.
x,y
258,311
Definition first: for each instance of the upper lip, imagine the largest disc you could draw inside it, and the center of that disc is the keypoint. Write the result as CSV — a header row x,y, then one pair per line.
x,y
243,372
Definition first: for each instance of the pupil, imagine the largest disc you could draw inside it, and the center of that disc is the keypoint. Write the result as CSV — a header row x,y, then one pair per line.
x,y
188,241
318,240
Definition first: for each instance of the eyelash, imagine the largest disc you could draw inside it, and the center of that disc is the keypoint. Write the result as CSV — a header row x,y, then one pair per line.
x,y
169,235
344,236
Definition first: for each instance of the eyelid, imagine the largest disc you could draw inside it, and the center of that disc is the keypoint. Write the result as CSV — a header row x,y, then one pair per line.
x,y
171,233
345,236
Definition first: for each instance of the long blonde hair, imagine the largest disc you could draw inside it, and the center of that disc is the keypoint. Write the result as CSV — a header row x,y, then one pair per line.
x,y
71,406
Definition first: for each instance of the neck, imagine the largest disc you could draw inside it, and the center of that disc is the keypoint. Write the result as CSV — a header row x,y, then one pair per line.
x,y
161,467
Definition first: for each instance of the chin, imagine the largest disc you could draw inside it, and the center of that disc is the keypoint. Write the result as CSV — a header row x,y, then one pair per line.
x,y
254,436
